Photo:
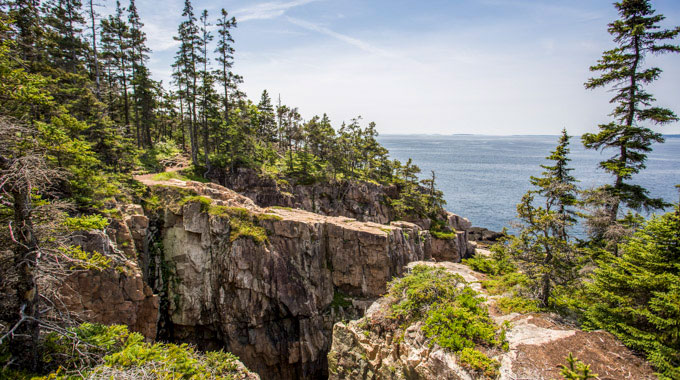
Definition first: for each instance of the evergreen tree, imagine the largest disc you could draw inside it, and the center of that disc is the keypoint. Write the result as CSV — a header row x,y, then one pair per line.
x,y
225,55
636,296
542,248
95,53
188,58
206,84
266,118
65,44
116,52
141,81
637,34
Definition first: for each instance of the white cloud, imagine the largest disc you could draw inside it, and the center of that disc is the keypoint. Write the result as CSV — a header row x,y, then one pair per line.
x,y
339,36
268,10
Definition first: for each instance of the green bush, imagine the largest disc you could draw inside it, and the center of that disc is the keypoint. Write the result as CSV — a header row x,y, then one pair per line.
x,y
441,230
636,296
454,315
113,351
498,264
86,260
517,304
340,300
86,223
576,370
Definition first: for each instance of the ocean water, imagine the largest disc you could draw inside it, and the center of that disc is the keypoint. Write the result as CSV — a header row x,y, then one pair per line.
x,y
484,177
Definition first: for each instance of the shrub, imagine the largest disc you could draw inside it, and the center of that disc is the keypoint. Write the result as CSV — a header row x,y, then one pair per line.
x,y
124,354
86,223
635,296
576,370
517,304
86,260
454,315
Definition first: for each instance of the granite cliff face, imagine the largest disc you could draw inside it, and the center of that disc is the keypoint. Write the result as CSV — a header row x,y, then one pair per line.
x,y
538,344
362,201
273,302
119,294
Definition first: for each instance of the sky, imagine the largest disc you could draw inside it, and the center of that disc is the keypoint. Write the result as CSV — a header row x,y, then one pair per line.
x,y
496,67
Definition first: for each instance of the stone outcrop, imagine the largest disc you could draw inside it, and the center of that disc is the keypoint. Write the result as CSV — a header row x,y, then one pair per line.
x,y
362,201
538,344
272,302
117,295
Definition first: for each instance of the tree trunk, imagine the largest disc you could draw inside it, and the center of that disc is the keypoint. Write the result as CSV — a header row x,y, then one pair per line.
x,y
23,343
94,50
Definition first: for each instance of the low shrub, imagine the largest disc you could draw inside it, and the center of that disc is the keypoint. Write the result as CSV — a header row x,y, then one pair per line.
x,y
86,222
454,315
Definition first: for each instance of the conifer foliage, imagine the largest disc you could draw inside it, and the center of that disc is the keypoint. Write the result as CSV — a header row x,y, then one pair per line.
x,y
637,296
637,34
543,248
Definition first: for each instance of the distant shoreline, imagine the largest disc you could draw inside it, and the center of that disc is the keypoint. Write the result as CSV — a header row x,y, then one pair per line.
x,y
480,135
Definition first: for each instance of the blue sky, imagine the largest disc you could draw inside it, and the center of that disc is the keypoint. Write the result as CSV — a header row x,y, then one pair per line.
x,y
485,66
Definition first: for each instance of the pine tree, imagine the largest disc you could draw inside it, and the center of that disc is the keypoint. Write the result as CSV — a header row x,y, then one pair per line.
x,y
225,55
206,84
116,51
266,118
66,46
95,53
188,58
636,296
141,81
637,34
542,248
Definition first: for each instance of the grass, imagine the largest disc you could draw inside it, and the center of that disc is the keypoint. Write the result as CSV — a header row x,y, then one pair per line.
x,y
166,176
263,217
184,175
454,316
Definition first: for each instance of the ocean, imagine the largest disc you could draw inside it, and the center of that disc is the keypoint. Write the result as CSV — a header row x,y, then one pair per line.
x,y
484,177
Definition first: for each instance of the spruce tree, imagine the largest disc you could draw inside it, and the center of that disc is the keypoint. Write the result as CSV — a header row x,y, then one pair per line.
x,y
266,118
542,248
115,34
637,34
636,296
225,55
188,58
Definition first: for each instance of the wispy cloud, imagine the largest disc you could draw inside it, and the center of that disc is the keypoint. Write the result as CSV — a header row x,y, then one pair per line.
x,y
365,46
268,10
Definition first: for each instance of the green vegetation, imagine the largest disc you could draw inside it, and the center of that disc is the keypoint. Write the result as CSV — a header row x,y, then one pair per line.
x,y
85,260
543,250
113,351
86,223
205,202
169,175
637,34
340,300
576,370
243,223
454,315
635,296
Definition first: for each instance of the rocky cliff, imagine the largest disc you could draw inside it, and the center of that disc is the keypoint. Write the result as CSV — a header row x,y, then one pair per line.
x,y
537,345
362,201
268,283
